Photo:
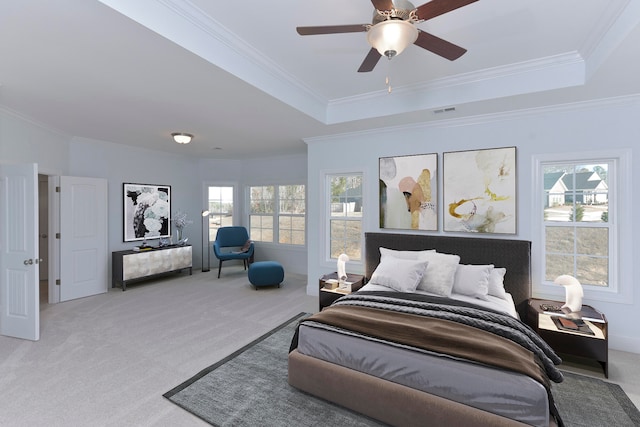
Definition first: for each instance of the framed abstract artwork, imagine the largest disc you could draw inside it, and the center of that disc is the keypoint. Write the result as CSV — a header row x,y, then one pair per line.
x,y
479,194
409,192
147,211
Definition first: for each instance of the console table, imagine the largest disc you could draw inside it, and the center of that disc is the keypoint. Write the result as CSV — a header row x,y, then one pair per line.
x,y
131,265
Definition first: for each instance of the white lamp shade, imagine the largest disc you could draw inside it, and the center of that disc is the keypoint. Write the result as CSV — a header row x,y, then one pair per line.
x,y
391,37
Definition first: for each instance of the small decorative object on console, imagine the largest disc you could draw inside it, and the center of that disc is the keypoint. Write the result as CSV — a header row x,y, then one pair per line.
x,y
180,221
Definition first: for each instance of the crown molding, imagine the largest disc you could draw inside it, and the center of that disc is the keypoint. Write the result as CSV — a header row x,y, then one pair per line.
x,y
479,119
555,72
30,120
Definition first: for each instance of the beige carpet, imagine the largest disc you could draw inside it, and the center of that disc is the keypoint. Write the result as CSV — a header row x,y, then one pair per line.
x,y
106,360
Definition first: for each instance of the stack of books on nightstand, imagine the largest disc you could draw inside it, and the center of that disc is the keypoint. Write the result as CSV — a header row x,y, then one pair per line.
x,y
586,313
572,325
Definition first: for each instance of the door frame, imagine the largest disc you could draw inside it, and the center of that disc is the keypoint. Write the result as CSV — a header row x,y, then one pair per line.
x,y
54,241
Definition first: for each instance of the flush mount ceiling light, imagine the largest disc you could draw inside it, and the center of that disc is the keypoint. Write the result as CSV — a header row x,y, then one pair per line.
x,y
391,37
182,137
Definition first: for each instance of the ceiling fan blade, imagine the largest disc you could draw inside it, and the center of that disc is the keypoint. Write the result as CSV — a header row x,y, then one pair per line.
x,y
439,46
332,29
382,4
370,61
438,7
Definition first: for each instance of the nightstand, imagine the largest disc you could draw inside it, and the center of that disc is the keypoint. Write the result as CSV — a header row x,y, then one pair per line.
x,y
328,295
595,347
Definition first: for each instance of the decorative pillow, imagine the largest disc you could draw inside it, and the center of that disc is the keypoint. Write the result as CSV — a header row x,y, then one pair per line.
x,y
472,280
402,275
384,252
439,275
247,246
496,283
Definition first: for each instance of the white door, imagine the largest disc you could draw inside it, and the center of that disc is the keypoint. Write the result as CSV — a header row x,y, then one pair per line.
x,y
83,237
19,287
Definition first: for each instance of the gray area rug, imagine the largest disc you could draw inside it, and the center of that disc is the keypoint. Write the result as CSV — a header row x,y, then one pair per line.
x,y
250,388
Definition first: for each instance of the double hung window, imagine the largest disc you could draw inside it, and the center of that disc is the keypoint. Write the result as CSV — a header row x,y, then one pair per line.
x,y
345,215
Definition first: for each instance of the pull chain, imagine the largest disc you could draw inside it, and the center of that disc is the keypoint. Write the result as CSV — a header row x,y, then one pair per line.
x,y
387,80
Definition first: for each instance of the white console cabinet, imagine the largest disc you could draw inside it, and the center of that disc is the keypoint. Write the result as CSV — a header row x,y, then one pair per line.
x,y
133,266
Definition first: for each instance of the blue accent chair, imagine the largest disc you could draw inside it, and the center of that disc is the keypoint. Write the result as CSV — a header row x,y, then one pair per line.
x,y
233,243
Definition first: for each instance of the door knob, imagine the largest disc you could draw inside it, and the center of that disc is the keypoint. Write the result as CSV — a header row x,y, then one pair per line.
x,y
28,261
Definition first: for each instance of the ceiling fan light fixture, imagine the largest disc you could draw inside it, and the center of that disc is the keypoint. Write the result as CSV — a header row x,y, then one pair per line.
x,y
392,36
182,137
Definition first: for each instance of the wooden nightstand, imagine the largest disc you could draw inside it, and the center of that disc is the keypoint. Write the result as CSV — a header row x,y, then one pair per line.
x,y
594,346
328,296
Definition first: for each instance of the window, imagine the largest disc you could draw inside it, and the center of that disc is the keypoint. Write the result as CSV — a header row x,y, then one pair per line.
x,y
579,224
291,214
576,222
345,216
277,214
261,213
220,209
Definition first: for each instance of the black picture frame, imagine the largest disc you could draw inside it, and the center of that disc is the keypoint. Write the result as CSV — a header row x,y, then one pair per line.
x,y
146,211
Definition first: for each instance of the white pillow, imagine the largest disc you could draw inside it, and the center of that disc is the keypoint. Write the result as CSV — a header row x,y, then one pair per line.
x,y
496,283
399,274
472,280
439,275
384,252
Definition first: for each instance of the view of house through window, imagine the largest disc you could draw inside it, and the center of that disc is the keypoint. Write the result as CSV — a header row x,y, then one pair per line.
x,y
220,209
277,214
577,228
345,218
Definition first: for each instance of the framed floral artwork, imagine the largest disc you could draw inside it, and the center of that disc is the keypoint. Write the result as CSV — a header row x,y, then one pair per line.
x,y
409,192
479,193
147,211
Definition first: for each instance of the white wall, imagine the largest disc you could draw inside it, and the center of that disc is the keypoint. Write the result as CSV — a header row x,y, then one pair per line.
x,y
571,129
120,163
24,141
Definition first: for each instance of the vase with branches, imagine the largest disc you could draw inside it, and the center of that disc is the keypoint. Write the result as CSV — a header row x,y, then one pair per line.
x,y
180,221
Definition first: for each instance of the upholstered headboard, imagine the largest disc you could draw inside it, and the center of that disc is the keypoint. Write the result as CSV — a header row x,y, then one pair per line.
x,y
514,255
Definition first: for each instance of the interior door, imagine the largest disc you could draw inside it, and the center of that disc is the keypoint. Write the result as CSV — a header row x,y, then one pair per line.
x,y
19,276
83,237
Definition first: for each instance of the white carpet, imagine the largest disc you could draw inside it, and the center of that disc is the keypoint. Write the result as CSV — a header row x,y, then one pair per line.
x,y
106,360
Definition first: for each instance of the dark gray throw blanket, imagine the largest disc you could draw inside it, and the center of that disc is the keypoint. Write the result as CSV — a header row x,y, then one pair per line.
x,y
465,313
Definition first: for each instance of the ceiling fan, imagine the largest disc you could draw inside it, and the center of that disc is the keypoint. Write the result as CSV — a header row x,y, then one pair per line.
x,y
394,27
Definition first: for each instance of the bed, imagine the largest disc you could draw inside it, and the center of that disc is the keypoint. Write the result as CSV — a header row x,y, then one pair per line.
x,y
411,357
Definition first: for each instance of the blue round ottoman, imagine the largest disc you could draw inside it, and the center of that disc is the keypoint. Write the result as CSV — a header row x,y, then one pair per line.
x,y
266,273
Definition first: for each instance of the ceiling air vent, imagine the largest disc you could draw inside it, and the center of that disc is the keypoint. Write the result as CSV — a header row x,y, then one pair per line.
x,y
444,110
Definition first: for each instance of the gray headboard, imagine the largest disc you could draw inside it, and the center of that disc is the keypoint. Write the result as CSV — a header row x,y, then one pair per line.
x,y
514,255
